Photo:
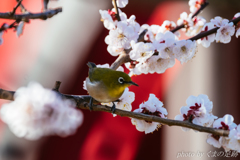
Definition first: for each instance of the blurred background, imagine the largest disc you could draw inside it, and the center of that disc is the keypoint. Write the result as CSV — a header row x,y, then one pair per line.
x,y
60,47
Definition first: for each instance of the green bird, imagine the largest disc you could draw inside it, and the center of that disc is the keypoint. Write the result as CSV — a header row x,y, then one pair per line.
x,y
106,85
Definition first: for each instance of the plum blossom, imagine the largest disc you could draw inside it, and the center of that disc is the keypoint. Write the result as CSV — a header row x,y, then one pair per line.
x,y
198,111
185,50
164,44
141,51
225,32
121,37
125,101
121,3
219,21
195,5
151,107
225,123
167,26
206,41
237,25
108,18
37,112
186,20
120,68
151,33
234,136
195,27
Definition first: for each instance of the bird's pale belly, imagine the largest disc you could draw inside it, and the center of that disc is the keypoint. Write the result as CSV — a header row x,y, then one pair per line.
x,y
99,92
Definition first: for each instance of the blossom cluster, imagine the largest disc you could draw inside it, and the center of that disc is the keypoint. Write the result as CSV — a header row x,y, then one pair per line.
x,y
199,111
37,112
151,107
159,47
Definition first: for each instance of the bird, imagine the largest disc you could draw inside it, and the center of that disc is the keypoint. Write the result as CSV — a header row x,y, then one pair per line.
x,y
106,85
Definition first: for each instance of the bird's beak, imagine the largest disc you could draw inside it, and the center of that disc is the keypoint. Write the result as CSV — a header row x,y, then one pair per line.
x,y
132,83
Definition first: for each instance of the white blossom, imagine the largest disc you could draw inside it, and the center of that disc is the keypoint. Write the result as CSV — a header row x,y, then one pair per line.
x,y
151,33
164,44
185,50
121,3
141,51
225,32
121,37
237,25
225,123
198,111
125,101
195,27
195,5
152,107
186,20
234,136
37,112
206,41
219,21
167,26
108,18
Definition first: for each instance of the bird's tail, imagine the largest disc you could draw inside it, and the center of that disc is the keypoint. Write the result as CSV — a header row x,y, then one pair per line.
x,y
91,65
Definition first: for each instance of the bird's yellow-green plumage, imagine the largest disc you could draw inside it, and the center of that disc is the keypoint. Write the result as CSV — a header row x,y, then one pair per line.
x,y
106,85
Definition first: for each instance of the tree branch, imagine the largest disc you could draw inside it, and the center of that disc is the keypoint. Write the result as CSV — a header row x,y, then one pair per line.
x,y
214,30
82,103
43,15
15,8
195,14
116,8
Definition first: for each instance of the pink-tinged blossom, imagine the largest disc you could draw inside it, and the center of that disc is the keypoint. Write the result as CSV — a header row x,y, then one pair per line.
x,y
141,51
206,41
125,101
234,136
151,33
37,112
121,36
225,32
185,50
151,65
219,21
108,18
195,27
225,123
164,44
151,107
186,20
195,5
121,3
198,111
237,25
167,26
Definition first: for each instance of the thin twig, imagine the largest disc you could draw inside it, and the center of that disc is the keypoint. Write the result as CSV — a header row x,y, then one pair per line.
x,y
116,8
15,8
23,9
45,4
82,103
43,15
195,14
214,30
57,86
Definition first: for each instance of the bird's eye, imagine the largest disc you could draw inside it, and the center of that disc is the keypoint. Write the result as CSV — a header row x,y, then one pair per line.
x,y
120,80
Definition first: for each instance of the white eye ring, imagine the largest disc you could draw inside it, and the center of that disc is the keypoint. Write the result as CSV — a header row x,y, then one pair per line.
x,y
120,80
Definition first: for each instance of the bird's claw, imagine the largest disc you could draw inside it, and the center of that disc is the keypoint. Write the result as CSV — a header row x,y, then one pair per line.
x,y
90,104
113,108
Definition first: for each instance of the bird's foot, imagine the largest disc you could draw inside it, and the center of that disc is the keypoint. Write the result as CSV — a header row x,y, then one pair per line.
x,y
113,108
90,104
